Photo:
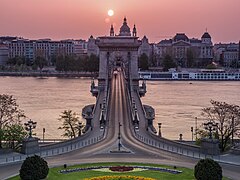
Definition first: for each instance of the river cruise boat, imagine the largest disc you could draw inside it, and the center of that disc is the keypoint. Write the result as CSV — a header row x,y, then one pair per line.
x,y
207,75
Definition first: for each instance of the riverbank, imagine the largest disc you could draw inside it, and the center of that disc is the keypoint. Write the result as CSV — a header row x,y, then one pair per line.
x,y
49,74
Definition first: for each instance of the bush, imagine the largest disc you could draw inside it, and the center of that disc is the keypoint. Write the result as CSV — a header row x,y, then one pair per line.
x,y
208,169
34,168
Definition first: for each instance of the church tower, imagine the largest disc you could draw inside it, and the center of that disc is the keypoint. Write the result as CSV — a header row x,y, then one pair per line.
x,y
134,31
112,31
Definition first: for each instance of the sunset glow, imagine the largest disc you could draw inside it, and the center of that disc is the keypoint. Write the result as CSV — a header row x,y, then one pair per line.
x,y
61,19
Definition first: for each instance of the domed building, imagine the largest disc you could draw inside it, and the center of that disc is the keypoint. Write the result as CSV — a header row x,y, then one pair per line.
x,y
125,30
180,37
206,38
117,51
180,46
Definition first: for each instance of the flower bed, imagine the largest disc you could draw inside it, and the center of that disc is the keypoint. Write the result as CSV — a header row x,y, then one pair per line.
x,y
121,168
172,171
119,177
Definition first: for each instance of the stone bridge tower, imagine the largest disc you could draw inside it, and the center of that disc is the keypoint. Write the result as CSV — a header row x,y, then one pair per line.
x,y
119,51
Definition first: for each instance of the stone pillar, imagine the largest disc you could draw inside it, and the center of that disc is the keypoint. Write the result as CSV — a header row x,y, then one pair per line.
x,y
30,146
210,146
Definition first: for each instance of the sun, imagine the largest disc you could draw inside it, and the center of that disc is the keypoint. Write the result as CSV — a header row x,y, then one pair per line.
x,y
110,12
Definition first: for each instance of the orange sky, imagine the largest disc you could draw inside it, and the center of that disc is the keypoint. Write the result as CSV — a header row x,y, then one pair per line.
x,y
158,19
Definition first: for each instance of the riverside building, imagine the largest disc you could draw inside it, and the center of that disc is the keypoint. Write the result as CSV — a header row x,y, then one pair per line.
x,y
227,54
181,46
30,49
3,54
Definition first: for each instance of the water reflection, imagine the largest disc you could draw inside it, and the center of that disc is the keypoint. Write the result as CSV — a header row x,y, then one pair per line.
x,y
176,103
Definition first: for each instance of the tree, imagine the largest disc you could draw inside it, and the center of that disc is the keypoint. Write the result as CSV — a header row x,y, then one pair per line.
x,y
17,60
14,134
207,169
227,116
9,113
40,61
93,63
168,63
143,62
211,66
71,124
34,168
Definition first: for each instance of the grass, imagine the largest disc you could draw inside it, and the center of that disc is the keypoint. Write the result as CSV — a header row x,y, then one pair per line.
x,y
187,174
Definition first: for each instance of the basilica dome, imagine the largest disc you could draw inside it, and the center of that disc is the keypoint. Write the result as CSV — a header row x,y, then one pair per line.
x,y
125,30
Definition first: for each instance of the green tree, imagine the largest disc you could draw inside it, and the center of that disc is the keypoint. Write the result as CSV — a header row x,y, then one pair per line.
x,y
92,63
227,116
40,61
34,168
60,63
207,169
235,64
143,62
17,60
168,63
70,124
211,66
14,134
9,113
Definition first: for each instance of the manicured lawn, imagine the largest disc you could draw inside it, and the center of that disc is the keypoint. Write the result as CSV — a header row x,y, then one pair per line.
x,y
158,175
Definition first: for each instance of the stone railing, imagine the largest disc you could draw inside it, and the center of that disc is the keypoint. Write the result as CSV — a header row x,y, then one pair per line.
x,y
55,149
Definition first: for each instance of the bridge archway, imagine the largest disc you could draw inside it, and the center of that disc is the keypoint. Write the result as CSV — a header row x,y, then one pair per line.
x,y
118,51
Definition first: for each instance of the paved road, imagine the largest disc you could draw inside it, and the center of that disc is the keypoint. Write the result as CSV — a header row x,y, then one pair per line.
x,y
119,112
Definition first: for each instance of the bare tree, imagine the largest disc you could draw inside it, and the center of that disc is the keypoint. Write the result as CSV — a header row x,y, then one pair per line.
x,y
9,114
227,116
71,124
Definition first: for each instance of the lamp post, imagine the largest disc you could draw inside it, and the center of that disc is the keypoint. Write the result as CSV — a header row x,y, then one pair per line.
x,y
232,130
210,126
80,126
102,121
196,128
44,130
29,126
192,133
119,136
159,129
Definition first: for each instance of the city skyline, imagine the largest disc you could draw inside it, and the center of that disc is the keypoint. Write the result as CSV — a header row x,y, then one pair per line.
x,y
78,19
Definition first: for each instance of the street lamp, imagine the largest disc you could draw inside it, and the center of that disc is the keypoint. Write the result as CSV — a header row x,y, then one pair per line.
x,y
210,126
102,121
159,129
196,128
119,136
29,126
80,126
232,130
44,130
192,133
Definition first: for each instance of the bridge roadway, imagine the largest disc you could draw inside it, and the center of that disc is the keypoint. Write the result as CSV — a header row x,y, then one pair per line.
x,y
100,152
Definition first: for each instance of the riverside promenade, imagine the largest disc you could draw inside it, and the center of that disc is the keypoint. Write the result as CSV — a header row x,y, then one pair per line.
x,y
48,74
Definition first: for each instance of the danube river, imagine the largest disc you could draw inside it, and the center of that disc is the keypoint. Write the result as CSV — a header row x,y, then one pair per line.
x,y
176,103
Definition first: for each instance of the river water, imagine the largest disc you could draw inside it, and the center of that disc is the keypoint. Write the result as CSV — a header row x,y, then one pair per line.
x,y
176,103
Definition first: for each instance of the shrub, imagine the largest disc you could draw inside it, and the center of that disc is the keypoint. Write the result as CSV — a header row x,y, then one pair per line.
x,y
208,169
34,168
